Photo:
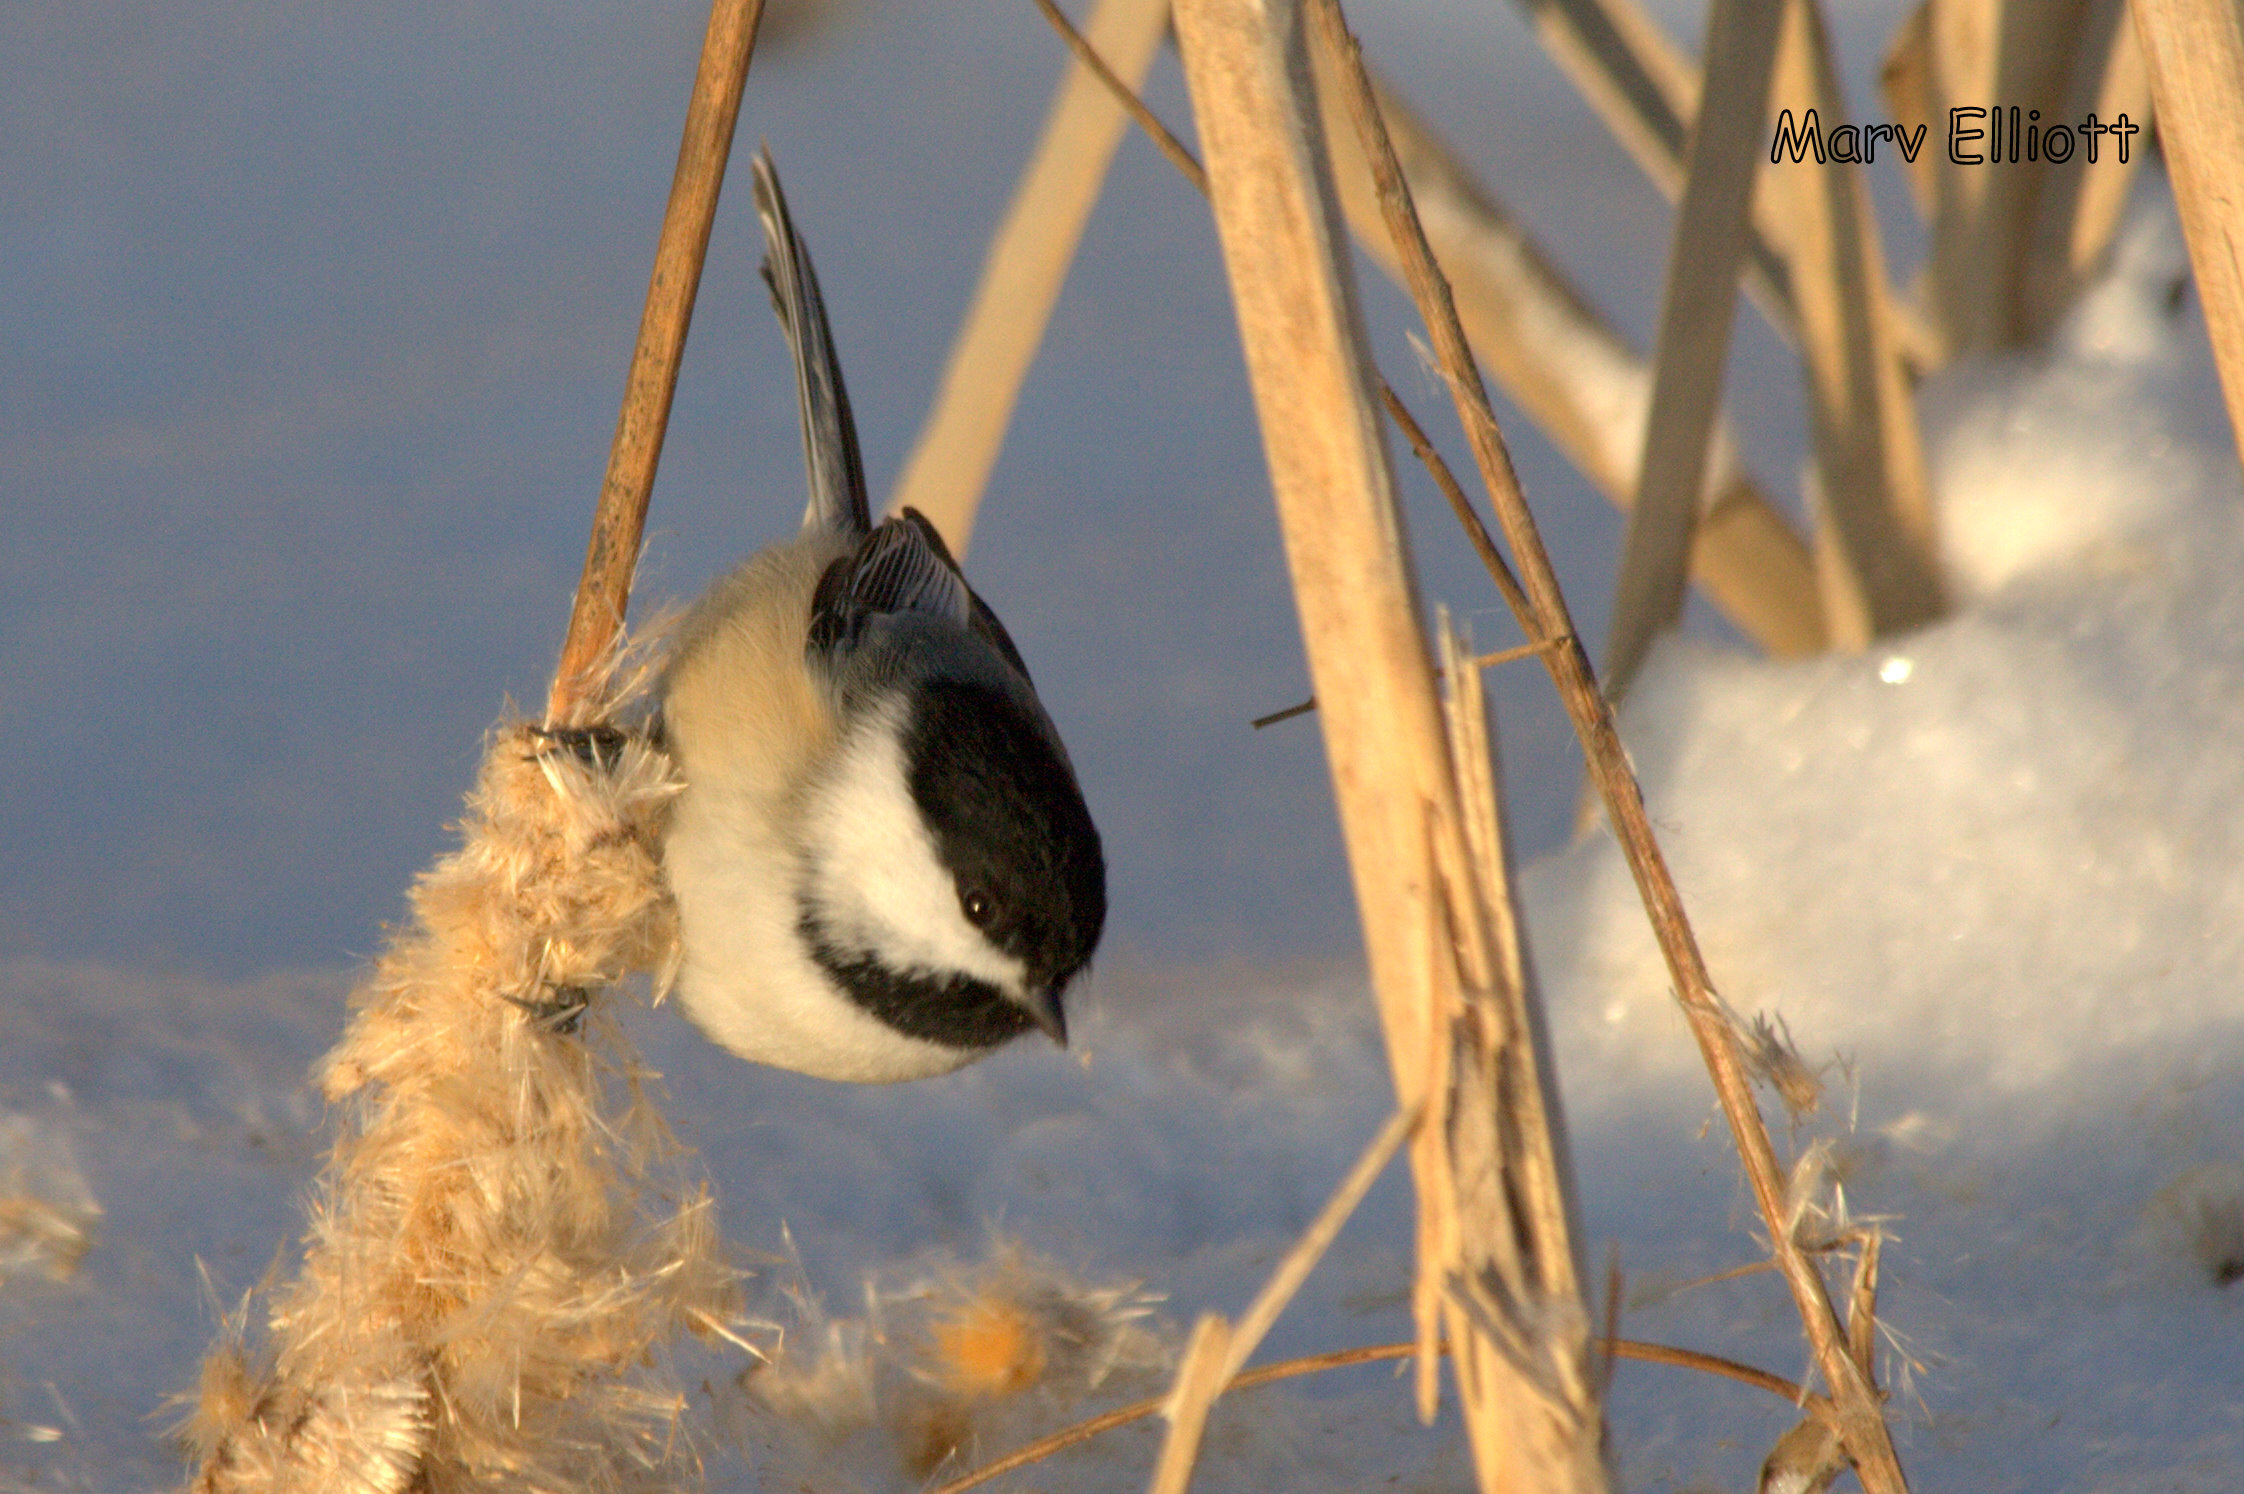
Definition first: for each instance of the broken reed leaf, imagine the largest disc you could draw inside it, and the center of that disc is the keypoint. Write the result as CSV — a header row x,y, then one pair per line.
x,y
1862,1307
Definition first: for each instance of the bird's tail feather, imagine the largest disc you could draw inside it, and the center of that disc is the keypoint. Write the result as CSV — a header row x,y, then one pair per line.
x,y
837,472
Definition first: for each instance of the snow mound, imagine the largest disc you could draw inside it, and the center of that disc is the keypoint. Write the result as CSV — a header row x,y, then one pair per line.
x,y
2010,847
1991,878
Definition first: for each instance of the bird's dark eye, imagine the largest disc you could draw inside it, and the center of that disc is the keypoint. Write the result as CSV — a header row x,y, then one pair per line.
x,y
978,906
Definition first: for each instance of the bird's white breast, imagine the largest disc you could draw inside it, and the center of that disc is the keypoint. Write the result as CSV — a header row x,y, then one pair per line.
x,y
750,730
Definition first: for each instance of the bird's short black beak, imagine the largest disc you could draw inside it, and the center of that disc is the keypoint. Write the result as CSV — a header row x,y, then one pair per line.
x,y
1044,1009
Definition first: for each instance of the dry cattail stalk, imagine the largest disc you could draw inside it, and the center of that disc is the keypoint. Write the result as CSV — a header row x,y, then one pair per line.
x,y
1529,1399
1027,263
1855,1398
611,556
506,1235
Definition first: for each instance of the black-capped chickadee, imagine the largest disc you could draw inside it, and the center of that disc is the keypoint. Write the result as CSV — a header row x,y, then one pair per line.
x,y
882,863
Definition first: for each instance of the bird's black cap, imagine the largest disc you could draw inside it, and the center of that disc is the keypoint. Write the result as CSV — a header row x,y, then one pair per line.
x,y
994,785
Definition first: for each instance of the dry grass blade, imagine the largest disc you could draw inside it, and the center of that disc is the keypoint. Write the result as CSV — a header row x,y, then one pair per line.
x,y
1480,661
1198,1383
612,554
2195,50
1856,1403
1316,1364
950,463
1314,1241
1484,545
1125,94
1122,1416
1696,312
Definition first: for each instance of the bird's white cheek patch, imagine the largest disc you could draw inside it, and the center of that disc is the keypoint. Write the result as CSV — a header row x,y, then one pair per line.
x,y
877,882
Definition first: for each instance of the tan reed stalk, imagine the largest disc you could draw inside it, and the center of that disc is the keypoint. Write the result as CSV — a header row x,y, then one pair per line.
x,y
1936,57
1696,312
611,556
1855,1397
2195,50
504,1236
1874,525
1302,337
1555,356
1909,80
1026,265
1646,90
1528,1399
1573,374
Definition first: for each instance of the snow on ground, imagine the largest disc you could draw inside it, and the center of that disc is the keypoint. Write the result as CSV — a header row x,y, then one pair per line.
x,y
1989,876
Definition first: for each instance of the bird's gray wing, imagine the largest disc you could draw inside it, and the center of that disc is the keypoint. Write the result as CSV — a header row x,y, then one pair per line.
x,y
903,566
893,570
837,472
